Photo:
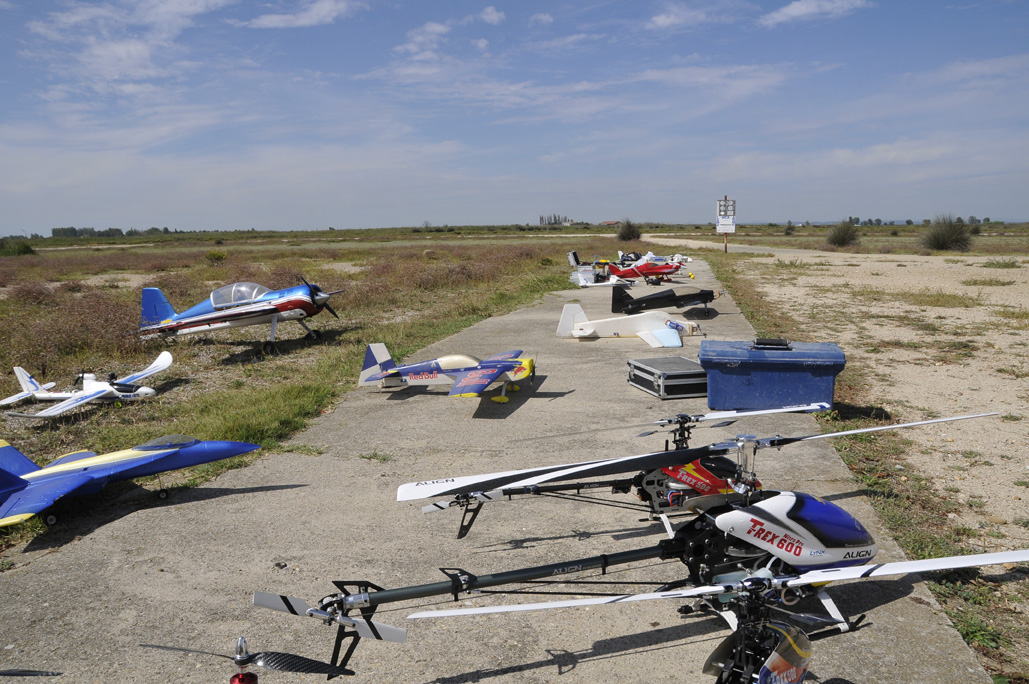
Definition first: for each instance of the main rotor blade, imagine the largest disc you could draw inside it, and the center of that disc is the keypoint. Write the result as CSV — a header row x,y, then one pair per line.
x,y
569,471
694,418
906,567
782,441
611,466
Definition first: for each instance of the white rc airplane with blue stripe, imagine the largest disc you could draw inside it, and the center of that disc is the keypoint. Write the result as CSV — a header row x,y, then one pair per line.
x,y
120,389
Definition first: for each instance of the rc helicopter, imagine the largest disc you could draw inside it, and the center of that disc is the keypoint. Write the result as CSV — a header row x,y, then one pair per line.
x,y
747,553
659,490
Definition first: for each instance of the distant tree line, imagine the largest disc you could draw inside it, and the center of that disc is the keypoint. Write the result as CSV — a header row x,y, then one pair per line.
x,y
73,232
855,220
553,220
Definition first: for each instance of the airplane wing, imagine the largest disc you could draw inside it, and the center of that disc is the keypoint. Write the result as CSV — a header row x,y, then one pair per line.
x,y
164,359
38,496
662,337
471,383
513,354
68,404
15,398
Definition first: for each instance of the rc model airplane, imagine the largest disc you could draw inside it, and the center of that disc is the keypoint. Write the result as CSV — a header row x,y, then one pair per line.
x,y
468,375
26,489
655,328
120,389
235,306
623,302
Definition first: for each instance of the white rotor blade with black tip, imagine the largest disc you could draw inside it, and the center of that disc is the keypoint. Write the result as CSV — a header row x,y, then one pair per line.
x,y
730,416
364,627
783,441
612,466
907,567
808,578
270,660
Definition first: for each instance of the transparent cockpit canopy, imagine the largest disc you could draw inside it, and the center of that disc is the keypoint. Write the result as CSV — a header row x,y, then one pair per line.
x,y
237,293
169,442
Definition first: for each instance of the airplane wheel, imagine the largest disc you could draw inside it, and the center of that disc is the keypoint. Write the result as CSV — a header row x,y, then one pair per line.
x,y
269,348
162,493
50,520
313,335
500,400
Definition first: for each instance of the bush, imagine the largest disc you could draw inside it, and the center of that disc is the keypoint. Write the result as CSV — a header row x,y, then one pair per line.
x,y
843,234
948,234
214,257
629,231
15,247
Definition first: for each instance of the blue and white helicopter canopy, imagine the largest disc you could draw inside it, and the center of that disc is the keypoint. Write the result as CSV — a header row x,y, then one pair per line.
x,y
237,293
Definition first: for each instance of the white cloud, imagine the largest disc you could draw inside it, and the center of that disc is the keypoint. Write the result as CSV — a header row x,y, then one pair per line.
x,y
677,15
492,16
423,42
310,13
541,19
482,44
803,10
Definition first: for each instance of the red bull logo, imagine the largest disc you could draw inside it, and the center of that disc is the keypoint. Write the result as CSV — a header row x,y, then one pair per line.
x,y
431,375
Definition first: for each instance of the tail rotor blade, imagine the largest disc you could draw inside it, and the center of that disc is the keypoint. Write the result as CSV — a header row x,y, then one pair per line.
x,y
291,662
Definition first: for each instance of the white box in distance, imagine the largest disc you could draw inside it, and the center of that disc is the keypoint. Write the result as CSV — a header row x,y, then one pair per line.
x,y
670,377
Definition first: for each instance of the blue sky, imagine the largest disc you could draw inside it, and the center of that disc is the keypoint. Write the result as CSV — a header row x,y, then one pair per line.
x,y
297,114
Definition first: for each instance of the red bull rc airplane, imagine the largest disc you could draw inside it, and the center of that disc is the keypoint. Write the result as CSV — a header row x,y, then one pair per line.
x,y
469,376
235,306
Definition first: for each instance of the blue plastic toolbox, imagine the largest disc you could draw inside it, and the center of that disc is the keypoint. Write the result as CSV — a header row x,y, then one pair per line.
x,y
764,374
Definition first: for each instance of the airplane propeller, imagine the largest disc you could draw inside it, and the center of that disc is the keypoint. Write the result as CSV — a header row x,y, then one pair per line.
x,y
270,660
321,298
29,673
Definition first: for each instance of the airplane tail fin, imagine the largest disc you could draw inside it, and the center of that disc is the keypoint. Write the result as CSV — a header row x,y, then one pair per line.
x,y
9,484
155,307
28,383
573,258
377,360
571,315
13,462
619,298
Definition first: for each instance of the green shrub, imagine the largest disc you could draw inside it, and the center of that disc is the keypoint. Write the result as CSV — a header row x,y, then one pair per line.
x,y
214,257
15,247
947,233
843,234
629,231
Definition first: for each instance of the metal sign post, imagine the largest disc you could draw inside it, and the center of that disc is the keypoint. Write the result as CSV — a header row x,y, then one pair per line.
x,y
726,219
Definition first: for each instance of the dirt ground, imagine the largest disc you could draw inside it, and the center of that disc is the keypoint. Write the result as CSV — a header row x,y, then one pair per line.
x,y
932,358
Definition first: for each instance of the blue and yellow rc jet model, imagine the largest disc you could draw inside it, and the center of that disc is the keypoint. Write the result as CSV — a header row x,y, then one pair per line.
x,y
26,489
468,375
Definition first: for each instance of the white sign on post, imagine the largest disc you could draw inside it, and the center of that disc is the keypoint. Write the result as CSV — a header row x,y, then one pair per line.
x,y
726,224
